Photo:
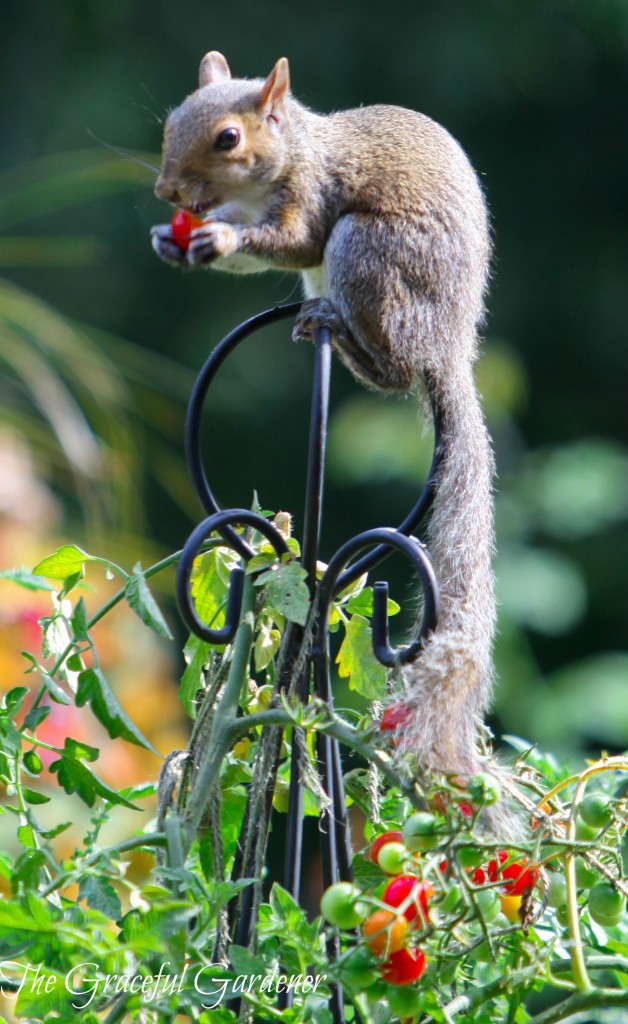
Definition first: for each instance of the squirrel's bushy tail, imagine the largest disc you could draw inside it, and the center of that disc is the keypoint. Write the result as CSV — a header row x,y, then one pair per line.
x,y
448,687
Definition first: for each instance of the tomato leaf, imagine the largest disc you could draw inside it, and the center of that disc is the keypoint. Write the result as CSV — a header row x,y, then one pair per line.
x,y
357,662
93,689
144,604
64,562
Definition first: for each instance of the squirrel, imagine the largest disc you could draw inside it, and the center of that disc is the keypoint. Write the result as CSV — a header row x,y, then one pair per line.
x,y
382,214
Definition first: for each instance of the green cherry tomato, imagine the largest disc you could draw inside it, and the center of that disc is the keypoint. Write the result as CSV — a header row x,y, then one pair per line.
x,y
484,789
596,810
562,916
584,831
607,906
585,876
469,857
420,832
392,858
341,905
557,895
360,970
405,1002
386,837
489,904
451,901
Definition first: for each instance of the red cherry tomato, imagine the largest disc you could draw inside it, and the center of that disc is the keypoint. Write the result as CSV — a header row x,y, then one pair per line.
x,y
493,867
394,716
521,878
409,887
479,876
376,845
183,224
404,967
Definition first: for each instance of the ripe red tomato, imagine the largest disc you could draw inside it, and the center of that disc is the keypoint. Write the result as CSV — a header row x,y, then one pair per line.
x,y
183,224
404,967
409,887
395,716
494,868
376,845
522,878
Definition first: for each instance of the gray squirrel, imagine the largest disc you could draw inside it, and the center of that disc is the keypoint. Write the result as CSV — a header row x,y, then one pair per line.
x,y
381,213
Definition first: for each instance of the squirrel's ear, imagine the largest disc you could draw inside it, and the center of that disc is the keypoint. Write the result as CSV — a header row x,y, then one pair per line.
x,y
274,90
214,68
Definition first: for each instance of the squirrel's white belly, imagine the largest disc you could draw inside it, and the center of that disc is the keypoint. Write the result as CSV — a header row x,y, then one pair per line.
x,y
315,282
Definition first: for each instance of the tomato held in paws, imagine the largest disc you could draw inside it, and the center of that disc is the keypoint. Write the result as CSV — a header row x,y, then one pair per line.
x,y
183,224
404,967
408,887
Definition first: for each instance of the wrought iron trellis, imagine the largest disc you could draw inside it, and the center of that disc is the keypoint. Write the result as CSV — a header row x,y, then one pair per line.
x,y
346,565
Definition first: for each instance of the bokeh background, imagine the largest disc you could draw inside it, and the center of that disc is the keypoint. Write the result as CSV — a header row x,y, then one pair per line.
x,y
100,342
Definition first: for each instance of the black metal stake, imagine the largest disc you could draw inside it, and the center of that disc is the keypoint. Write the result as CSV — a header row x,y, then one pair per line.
x,y
343,569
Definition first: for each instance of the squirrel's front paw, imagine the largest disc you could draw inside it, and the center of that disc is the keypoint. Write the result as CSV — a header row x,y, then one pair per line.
x,y
163,243
211,241
315,313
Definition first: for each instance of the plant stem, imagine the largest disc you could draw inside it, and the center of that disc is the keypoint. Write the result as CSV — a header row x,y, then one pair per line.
x,y
224,721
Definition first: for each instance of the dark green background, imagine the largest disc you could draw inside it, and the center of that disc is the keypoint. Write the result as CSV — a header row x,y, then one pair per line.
x,y
536,93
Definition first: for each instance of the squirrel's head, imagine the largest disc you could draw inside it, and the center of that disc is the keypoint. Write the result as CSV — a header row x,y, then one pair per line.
x,y
227,141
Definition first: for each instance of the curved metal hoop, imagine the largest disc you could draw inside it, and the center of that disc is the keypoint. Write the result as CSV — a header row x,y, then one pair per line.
x,y
416,552
193,420
218,522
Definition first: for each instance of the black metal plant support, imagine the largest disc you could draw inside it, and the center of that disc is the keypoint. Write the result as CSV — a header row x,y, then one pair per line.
x,y
352,560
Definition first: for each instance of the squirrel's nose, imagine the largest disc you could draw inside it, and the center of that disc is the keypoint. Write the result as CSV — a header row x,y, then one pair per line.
x,y
165,189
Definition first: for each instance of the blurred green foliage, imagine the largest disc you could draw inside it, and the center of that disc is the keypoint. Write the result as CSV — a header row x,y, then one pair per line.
x,y
535,92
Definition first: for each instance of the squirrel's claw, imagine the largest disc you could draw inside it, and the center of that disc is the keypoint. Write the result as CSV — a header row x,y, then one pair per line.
x,y
211,241
316,313
165,246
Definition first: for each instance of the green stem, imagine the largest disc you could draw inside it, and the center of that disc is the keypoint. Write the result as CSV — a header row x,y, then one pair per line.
x,y
582,1002
224,720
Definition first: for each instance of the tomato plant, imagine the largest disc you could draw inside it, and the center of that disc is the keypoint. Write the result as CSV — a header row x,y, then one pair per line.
x,y
440,919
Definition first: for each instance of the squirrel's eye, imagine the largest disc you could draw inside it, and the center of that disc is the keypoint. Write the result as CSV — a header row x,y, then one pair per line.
x,y
228,139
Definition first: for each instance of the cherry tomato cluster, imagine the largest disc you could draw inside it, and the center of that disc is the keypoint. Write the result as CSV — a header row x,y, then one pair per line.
x,y
517,877
388,930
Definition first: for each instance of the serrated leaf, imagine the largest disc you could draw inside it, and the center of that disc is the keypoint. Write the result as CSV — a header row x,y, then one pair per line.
x,y
267,644
141,600
94,689
196,654
362,604
26,579
75,777
209,583
245,962
357,662
100,895
287,591
66,561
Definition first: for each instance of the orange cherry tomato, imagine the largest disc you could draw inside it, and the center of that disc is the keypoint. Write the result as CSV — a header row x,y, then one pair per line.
x,y
385,932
